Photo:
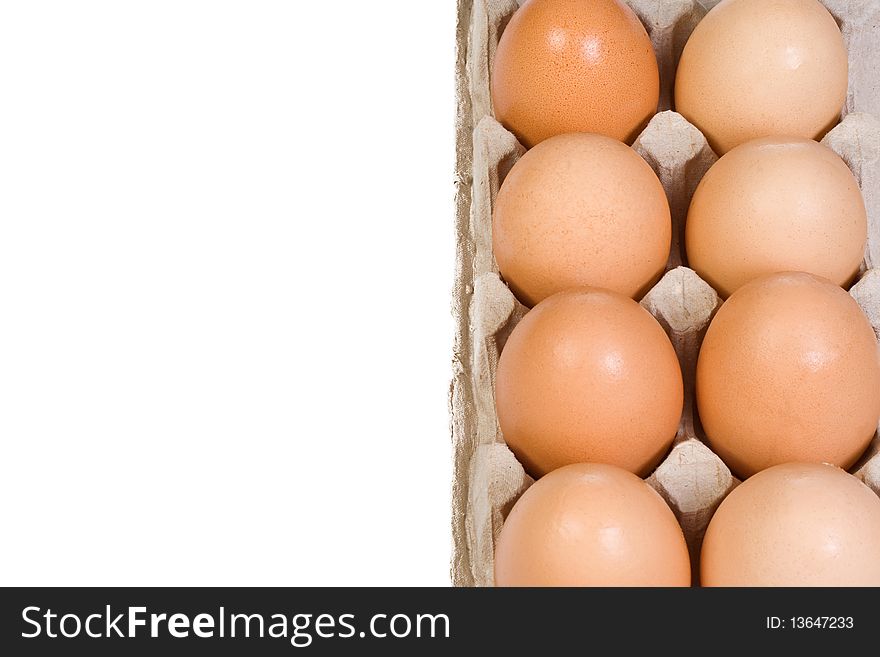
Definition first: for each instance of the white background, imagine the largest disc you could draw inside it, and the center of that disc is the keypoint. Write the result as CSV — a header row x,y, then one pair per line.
x,y
226,256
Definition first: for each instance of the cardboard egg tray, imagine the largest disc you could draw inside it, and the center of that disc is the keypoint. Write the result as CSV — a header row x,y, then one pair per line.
x,y
692,479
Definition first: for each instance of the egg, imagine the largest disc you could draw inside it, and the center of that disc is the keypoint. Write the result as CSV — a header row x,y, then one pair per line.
x,y
789,370
564,66
754,68
776,204
588,375
591,525
795,524
580,209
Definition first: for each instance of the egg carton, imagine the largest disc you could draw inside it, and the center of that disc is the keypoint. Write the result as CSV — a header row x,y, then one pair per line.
x,y
487,478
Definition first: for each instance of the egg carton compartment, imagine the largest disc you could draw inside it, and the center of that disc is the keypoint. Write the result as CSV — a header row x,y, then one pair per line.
x,y
488,479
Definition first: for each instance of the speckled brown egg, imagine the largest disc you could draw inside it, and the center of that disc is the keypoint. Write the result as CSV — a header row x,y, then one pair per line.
x,y
591,525
756,68
574,66
776,204
588,375
581,209
789,370
795,524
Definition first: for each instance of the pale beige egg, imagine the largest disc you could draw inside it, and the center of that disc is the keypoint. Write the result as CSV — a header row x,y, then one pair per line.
x,y
581,209
795,524
776,204
756,68
591,525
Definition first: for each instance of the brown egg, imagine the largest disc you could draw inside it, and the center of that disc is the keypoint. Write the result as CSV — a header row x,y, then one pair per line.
x,y
789,370
591,525
581,209
564,66
754,68
776,204
796,524
588,375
